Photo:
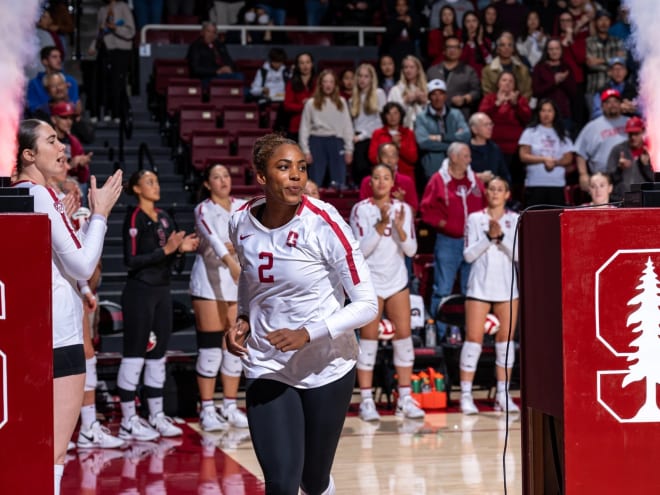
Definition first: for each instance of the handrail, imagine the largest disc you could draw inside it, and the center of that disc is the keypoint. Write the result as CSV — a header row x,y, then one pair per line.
x,y
143,151
243,29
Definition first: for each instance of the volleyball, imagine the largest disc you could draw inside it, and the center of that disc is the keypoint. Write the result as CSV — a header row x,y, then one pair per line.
x,y
491,325
385,329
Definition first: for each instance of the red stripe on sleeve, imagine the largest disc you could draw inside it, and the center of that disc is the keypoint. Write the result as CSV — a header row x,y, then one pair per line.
x,y
355,277
133,237
62,213
201,217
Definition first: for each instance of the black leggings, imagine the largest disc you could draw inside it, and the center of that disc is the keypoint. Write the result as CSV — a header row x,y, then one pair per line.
x,y
146,308
295,432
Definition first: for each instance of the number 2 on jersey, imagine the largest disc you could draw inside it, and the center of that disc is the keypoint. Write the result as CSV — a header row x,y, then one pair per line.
x,y
267,265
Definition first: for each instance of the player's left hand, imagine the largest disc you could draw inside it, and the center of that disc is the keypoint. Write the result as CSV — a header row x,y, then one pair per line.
x,y
286,339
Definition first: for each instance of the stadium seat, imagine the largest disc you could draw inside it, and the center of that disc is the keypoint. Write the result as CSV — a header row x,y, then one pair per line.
x,y
343,200
226,93
207,144
245,116
196,118
166,69
239,168
245,139
248,68
179,95
247,192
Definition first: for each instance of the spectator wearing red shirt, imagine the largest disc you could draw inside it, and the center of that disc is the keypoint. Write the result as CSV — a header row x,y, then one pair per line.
x,y
393,131
298,90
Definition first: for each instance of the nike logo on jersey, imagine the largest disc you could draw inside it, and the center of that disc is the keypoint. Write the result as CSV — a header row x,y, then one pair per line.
x,y
244,236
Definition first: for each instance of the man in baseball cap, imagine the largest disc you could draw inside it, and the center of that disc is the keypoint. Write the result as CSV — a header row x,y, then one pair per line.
x,y
437,126
629,162
618,79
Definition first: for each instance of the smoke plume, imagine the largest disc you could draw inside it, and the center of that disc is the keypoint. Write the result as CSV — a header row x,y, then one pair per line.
x,y
18,48
644,15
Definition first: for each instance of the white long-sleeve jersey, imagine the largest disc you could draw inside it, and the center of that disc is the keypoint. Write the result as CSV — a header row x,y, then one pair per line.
x,y
384,253
71,260
210,278
297,276
490,275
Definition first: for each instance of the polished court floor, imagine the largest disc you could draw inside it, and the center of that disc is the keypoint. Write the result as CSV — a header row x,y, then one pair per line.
x,y
447,453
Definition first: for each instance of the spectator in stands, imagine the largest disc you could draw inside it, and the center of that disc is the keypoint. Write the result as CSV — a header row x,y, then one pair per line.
x,y
47,31
463,85
353,13
477,48
63,22
411,91
531,43
487,158
404,186
545,150
506,61
582,13
600,48
449,197
346,83
491,22
298,90
62,115
116,30
509,15
147,12
549,11
315,11
185,8
393,131
460,7
208,57
365,104
510,112
225,12
57,90
629,161
435,47
385,229
326,132
387,77
253,14
620,81
275,9
312,189
553,79
270,80
599,136
402,34
37,95
621,28
438,126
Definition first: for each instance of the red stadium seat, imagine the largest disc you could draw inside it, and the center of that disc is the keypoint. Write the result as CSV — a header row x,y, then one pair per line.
x,y
206,144
226,92
241,116
245,139
165,70
343,200
248,68
239,168
182,95
247,192
196,118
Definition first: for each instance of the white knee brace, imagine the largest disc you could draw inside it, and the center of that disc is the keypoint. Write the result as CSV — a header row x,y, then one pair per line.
x,y
208,361
367,356
128,375
470,356
231,365
154,372
404,353
501,358
91,378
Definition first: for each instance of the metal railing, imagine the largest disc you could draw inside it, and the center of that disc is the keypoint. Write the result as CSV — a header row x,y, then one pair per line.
x,y
243,29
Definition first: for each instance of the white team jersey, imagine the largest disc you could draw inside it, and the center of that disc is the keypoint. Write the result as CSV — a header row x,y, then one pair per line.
x,y
71,260
384,253
297,276
490,275
210,277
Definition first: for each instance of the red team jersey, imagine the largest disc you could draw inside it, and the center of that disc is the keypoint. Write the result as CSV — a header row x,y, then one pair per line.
x,y
297,276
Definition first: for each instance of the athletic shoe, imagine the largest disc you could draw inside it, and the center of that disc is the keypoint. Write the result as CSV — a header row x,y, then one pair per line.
x,y
467,405
407,407
211,420
504,401
234,416
136,428
70,446
232,438
98,437
165,425
368,410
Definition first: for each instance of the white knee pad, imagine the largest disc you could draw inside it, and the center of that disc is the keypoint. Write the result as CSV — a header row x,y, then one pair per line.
x,y
154,372
367,356
208,362
128,375
501,358
470,356
404,353
91,378
231,365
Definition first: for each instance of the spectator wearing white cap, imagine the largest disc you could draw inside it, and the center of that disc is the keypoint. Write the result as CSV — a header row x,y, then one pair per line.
x,y
437,126
618,72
